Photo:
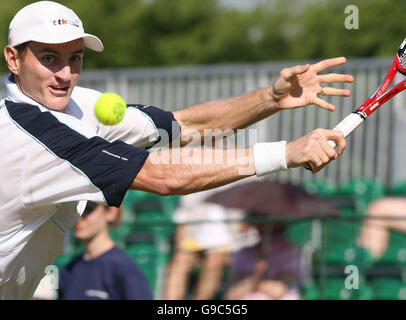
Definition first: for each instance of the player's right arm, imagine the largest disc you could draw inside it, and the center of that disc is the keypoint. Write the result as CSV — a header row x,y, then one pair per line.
x,y
296,87
180,171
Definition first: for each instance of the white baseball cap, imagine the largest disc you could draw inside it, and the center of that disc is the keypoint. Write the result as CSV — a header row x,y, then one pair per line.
x,y
49,22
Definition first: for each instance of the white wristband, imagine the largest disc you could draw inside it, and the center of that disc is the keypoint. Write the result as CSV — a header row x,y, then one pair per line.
x,y
269,157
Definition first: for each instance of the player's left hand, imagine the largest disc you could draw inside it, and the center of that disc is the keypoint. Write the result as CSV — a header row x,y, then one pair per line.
x,y
300,85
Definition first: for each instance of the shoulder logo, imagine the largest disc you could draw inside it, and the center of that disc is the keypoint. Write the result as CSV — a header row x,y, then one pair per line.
x,y
139,106
115,155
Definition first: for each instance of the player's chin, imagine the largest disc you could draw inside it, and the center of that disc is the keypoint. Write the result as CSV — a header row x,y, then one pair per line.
x,y
58,103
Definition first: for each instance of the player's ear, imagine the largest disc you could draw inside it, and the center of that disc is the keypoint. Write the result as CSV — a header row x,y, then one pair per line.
x,y
12,59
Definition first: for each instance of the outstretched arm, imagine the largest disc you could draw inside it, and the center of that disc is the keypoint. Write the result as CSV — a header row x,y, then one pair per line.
x,y
296,87
179,171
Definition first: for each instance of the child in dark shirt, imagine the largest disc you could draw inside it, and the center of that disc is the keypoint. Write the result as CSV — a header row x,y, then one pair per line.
x,y
102,271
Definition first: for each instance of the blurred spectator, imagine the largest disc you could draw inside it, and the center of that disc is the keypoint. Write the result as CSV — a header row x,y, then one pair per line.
x,y
102,271
203,239
375,232
269,270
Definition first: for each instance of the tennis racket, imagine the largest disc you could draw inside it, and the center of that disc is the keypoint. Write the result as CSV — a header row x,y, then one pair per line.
x,y
378,98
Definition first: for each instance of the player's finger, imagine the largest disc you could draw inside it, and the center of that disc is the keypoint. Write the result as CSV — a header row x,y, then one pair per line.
x,y
328,150
328,63
288,73
324,104
323,152
336,77
337,137
324,156
330,91
318,161
316,154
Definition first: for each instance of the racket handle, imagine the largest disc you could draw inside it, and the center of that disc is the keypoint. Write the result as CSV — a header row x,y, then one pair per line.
x,y
346,126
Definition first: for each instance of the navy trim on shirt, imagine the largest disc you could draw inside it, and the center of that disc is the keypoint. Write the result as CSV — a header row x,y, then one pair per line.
x,y
110,166
162,119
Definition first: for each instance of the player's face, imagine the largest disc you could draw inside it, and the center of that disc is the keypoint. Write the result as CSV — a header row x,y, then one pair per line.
x,y
92,224
48,73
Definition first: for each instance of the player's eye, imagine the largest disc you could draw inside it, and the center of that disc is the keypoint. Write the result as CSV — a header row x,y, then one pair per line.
x,y
48,58
76,58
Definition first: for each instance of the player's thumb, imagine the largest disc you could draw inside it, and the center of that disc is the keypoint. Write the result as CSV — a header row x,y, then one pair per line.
x,y
289,73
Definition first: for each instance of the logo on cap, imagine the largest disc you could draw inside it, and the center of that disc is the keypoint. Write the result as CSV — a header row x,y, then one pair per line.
x,y
64,21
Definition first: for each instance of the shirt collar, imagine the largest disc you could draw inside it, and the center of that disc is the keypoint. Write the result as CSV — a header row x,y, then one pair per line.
x,y
14,94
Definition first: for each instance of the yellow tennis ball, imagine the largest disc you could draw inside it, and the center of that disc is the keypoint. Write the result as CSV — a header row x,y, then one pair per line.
x,y
110,108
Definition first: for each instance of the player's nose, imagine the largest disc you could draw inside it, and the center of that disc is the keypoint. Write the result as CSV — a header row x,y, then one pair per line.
x,y
64,74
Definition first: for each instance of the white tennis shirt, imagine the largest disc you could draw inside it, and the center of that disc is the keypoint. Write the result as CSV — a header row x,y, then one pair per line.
x,y
51,163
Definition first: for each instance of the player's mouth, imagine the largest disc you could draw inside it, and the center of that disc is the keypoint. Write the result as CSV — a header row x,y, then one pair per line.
x,y
59,90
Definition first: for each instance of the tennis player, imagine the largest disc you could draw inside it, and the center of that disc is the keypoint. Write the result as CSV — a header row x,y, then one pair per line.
x,y
54,155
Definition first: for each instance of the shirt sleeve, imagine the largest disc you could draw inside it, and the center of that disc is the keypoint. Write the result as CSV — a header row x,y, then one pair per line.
x,y
142,126
166,124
